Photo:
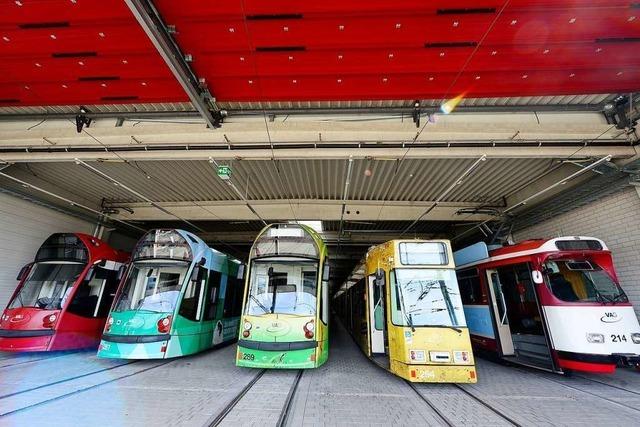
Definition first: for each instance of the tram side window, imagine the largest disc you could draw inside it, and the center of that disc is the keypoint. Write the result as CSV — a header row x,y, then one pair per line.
x,y
233,298
93,298
470,287
213,288
190,306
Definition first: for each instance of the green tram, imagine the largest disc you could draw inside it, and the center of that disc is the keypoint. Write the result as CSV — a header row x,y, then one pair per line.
x,y
178,297
285,320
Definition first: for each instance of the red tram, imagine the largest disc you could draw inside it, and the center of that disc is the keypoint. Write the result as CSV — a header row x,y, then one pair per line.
x,y
552,304
63,297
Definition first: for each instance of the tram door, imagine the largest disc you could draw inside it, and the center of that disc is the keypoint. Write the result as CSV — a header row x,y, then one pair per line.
x,y
376,315
500,313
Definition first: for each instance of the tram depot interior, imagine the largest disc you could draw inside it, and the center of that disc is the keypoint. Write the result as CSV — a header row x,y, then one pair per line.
x,y
319,213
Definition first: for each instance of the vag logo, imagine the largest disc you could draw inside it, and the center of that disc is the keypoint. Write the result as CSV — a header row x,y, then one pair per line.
x,y
610,317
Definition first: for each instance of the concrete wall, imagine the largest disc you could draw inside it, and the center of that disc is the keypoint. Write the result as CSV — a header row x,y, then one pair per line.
x,y
614,219
23,228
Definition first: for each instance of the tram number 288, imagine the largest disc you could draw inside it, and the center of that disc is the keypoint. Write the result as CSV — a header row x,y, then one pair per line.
x,y
618,338
248,356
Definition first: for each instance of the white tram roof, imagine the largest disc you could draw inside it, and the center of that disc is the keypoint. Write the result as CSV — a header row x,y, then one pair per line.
x,y
479,253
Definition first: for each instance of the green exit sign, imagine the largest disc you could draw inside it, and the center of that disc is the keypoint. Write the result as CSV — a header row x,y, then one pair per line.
x,y
224,172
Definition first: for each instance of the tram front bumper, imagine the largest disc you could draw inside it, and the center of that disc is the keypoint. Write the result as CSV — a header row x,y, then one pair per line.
x,y
464,374
253,354
133,347
25,340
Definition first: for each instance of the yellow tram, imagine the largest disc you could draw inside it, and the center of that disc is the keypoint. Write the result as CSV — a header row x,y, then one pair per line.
x,y
402,306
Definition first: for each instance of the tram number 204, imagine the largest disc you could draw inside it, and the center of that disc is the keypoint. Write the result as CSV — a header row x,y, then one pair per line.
x,y
248,356
618,338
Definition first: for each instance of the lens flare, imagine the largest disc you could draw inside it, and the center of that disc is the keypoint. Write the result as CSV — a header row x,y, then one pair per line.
x,y
448,106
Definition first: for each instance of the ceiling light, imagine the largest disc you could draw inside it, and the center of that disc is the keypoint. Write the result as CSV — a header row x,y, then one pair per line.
x,y
143,83
441,54
340,27
27,87
285,29
524,76
124,61
65,86
493,53
598,50
620,73
5,38
384,79
80,63
339,80
572,20
631,19
53,36
398,26
19,3
242,58
477,77
456,23
294,81
546,51
101,34
290,58
572,75
340,56
514,22
232,30
103,84
38,64
391,56
250,82
431,78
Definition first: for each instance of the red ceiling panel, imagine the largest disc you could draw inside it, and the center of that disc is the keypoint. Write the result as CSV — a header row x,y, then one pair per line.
x,y
338,50
78,52
88,51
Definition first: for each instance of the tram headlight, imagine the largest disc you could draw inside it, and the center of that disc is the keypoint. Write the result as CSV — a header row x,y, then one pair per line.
x,y
247,325
595,338
48,321
635,337
309,327
164,325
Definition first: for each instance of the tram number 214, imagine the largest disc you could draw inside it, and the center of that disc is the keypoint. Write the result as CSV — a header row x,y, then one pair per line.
x,y
618,338
248,356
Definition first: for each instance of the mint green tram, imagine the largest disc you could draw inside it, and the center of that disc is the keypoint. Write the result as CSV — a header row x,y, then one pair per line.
x,y
285,319
178,297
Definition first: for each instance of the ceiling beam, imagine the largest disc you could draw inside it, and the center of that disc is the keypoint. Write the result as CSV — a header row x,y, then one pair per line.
x,y
325,210
150,21
381,152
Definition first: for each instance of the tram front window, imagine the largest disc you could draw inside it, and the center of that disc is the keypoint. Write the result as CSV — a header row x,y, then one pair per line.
x,y
48,285
152,286
425,297
582,281
283,287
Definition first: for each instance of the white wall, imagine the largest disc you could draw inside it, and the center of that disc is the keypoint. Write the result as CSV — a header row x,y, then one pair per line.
x,y
23,228
614,219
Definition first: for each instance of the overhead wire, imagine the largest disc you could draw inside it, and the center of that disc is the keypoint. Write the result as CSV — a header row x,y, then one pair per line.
x,y
264,113
418,134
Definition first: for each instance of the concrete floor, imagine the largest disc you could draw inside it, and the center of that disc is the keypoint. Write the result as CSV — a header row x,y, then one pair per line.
x,y
78,389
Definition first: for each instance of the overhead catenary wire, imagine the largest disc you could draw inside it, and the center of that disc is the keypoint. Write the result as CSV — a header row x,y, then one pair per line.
x,y
444,194
138,194
345,196
539,193
71,202
239,193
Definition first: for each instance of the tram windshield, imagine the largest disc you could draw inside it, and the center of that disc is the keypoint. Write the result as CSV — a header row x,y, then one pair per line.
x,y
284,287
48,285
582,281
426,297
152,286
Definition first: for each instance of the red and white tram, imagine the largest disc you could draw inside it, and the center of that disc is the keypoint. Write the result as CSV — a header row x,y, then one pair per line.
x,y
63,298
552,304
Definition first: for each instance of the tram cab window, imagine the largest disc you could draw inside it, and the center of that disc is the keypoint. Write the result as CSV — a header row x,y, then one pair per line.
x,y
190,306
47,285
425,297
152,286
287,287
581,281
470,287
93,297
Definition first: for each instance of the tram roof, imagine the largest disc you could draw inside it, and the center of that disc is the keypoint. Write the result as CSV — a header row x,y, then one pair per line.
x,y
524,248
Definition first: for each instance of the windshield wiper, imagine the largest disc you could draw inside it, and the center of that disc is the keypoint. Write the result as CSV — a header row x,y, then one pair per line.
x,y
458,330
402,306
266,310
